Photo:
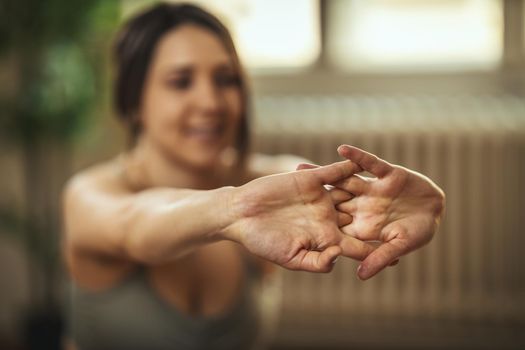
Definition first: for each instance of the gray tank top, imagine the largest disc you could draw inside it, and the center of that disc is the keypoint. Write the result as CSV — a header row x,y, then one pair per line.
x,y
132,316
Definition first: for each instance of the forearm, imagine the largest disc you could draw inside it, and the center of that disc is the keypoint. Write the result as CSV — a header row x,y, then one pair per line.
x,y
182,221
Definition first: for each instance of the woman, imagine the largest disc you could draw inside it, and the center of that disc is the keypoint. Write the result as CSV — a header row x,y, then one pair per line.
x,y
163,242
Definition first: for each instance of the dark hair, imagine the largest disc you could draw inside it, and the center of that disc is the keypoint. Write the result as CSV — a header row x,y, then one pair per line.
x,y
133,50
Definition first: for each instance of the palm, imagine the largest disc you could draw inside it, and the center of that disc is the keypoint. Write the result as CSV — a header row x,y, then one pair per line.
x,y
290,219
400,208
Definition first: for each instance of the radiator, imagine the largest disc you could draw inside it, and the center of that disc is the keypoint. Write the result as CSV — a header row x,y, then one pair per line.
x,y
469,282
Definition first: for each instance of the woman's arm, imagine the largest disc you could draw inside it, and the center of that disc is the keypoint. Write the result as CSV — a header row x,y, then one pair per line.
x,y
151,226
288,219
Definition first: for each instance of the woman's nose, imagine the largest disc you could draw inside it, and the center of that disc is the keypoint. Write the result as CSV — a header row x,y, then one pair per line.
x,y
208,98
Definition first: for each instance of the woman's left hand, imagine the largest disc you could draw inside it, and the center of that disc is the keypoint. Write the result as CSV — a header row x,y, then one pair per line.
x,y
398,207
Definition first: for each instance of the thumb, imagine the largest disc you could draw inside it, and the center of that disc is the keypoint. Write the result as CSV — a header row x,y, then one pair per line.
x,y
330,174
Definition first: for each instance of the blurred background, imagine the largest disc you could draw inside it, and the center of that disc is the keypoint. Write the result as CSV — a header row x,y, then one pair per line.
x,y
435,85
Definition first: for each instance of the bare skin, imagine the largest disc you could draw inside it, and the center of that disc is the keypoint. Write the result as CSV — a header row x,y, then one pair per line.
x,y
288,219
97,262
398,207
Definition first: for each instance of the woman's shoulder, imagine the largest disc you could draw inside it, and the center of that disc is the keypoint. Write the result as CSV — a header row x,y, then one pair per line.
x,y
106,176
89,198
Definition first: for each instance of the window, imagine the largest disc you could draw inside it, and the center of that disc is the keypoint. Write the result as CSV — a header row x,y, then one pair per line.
x,y
269,34
394,35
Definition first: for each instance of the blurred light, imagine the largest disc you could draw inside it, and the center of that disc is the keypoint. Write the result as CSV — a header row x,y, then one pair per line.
x,y
383,35
269,34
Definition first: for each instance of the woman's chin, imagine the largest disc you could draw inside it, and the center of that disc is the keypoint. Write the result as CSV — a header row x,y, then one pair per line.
x,y
205,165
201,157
202,162
207,156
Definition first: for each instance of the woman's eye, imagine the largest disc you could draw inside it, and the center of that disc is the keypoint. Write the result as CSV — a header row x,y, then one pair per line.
x,y
227,80
180,83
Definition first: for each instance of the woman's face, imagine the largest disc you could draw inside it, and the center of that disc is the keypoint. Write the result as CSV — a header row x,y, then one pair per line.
x,y
191,102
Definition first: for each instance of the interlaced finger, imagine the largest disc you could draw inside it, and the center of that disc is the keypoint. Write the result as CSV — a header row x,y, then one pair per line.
x,y
354,248
314,261
367,161
386,254
330,174
355,184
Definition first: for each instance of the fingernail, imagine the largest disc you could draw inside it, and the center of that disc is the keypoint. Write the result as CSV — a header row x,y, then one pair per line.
x,y
361,271
334,261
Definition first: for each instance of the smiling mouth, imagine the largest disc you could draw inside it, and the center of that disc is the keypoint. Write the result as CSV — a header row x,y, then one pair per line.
x,y
205,133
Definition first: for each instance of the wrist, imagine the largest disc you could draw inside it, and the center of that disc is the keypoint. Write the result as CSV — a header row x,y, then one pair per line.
x,y
230,205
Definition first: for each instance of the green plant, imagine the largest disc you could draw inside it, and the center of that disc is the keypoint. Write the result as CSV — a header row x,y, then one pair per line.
x,y
53,49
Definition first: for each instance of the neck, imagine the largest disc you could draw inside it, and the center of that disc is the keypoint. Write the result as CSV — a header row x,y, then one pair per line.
x,y
154,168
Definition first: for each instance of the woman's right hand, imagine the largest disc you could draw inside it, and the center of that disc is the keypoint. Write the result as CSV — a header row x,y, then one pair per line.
x,y
290,219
